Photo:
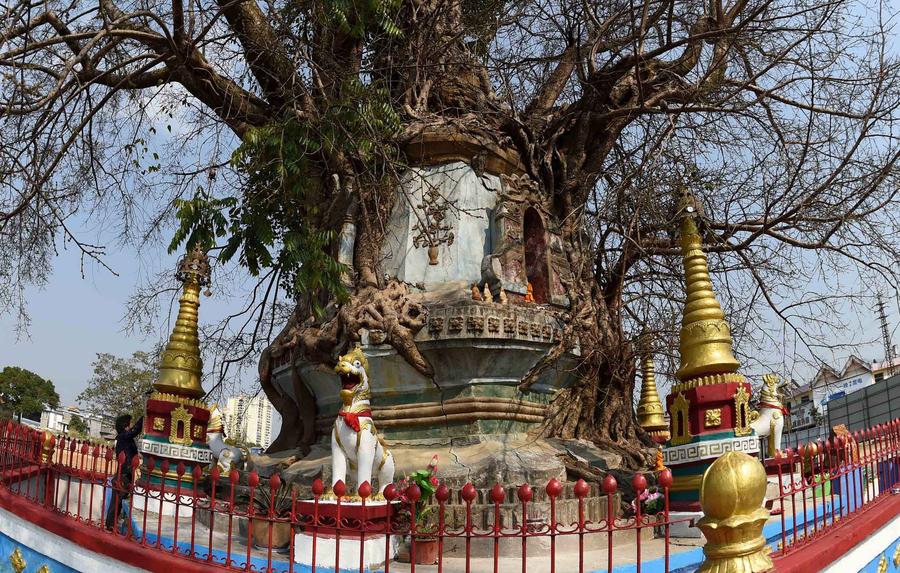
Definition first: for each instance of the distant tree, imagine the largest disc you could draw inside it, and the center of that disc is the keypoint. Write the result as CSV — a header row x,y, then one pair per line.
x,y
119,385
78,427
25,393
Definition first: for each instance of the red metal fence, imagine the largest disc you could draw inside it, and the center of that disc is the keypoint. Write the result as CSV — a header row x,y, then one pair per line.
x,y
241,522
824,482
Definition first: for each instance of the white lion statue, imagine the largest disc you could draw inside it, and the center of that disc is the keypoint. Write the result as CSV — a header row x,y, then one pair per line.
x,y
354,442
769,421
227,457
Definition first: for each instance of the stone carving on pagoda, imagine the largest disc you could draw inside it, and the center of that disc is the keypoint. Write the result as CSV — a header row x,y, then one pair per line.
x,y
468,319
769,421
175,424
709,407
355,444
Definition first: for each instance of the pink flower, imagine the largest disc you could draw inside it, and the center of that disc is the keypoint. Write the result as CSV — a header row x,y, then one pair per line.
x,y
434,481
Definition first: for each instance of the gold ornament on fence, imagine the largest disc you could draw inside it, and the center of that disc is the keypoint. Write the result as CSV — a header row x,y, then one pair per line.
x,y
731,495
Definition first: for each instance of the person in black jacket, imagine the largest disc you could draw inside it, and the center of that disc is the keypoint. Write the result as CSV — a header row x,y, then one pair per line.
x,y
126,432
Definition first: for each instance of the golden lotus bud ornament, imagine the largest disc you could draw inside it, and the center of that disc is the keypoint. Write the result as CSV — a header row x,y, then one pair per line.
x,y
731,495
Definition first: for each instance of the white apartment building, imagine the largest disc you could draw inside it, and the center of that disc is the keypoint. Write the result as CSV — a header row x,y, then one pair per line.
x,y
249,418
57,420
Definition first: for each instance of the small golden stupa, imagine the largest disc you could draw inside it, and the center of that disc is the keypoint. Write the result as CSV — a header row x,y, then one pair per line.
x,y
709,408
175,425
705,341
181,365
650,412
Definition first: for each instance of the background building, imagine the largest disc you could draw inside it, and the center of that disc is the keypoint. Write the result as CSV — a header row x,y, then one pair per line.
x,y
58,419
249,419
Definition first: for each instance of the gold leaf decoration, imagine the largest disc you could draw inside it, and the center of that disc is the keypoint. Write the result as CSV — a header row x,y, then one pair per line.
x,y
17,561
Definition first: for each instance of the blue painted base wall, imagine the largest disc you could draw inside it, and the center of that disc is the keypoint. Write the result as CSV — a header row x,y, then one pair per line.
x,y
33,560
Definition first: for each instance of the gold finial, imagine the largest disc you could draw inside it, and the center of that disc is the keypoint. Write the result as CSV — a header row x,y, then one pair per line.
x,y
705,336
731,495
650,408
47,446
181,366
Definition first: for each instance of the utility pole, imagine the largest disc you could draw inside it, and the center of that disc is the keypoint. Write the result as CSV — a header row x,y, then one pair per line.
x,y
885,335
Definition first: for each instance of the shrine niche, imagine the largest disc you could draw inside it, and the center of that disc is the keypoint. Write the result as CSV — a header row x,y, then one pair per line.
x,y
527,246
535,245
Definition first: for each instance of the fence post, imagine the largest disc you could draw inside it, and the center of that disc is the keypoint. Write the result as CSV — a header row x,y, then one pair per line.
x,y
48,443
731,495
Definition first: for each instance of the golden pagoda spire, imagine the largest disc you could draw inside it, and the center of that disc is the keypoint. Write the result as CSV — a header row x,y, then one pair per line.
x,y
705,336
181,365
650,408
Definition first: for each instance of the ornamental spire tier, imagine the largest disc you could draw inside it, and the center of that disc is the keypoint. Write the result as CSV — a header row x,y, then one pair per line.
x,y
181,365
650,409
176,419
705,342
709,407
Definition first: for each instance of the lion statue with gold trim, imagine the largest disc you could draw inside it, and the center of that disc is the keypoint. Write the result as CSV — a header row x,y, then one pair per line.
x,y
354,441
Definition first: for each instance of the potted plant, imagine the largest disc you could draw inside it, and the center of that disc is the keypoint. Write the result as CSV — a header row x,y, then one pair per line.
x,y
279,501
652,505
424,549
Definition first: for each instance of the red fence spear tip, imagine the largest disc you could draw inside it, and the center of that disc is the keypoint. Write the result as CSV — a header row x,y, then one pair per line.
x,y
253,479
525,493
665,478
340,488
639,482
179,469
581,489
390,492
609,485
164,468
275,482
468,493
413,493
442,494
233,476
554,487
84,449
318,488
135,462
197,473
497,493
364,490
215,473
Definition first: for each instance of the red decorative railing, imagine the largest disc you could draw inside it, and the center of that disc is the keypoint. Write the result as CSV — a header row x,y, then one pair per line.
x,y
554,528
242,522
822,483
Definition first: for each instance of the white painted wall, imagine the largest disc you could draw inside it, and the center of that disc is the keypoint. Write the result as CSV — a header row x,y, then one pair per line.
x,y
58,548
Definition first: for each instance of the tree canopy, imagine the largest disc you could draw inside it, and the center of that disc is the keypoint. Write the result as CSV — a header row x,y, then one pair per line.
x,y
25,393
119,385
78,427
259,127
